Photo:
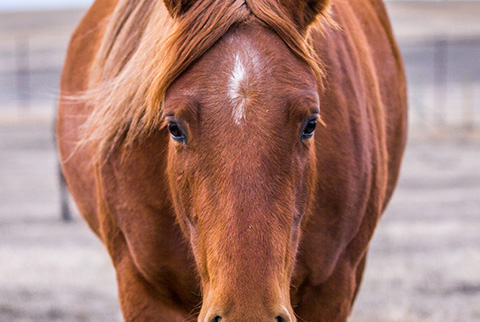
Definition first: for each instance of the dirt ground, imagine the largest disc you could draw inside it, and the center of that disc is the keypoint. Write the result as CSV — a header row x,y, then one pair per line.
x,y
424,263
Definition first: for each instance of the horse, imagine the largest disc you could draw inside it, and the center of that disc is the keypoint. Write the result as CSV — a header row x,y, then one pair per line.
x,y
234,156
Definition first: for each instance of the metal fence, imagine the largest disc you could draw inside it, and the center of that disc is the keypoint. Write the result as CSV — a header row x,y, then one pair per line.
x,y
29,76
444,82
443,76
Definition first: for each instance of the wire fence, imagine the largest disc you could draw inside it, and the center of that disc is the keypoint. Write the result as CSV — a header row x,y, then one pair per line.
x,y
443,76
444,82
29,75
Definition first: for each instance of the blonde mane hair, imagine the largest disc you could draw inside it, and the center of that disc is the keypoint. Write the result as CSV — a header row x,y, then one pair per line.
x,y
144,50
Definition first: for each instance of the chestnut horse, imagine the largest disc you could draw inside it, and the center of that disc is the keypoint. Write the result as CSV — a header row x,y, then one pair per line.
x,y
189,140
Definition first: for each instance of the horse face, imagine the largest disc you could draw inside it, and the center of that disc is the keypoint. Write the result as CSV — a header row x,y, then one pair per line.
x,y
241,170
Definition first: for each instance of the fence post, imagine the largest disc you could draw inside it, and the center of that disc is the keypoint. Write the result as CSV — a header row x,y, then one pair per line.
x,y
65,207
469,104
22,67
440,75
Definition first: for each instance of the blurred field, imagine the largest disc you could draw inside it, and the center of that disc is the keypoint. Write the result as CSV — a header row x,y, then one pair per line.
x,y
424,263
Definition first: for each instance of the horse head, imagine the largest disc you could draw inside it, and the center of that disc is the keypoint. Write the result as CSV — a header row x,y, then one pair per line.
x,y
241,163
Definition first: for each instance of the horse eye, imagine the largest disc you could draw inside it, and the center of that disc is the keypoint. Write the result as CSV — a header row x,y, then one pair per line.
x,y
176,133
309,129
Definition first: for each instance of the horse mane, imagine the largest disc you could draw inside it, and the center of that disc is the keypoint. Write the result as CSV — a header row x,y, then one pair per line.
x,y
144,50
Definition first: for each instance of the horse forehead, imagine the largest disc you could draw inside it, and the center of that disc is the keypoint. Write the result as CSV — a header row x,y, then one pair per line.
x,y
248,73
244,78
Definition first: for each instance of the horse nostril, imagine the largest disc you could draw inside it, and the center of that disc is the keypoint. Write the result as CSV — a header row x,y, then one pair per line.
x,y
283,318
